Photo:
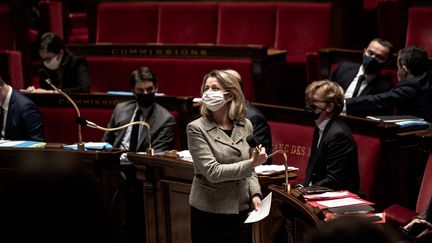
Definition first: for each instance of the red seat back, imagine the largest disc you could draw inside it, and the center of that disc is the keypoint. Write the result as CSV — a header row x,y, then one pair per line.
x,y
11,68
126,23
7,40
425,193
60,125
51,17
177,76
296,141
302,28
369,155
419,30
187,23
252,23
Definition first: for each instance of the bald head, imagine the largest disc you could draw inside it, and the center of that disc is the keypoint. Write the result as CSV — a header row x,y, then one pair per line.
x,y
234,73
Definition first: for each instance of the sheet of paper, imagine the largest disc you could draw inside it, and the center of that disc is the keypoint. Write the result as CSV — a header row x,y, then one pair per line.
x,y
8,143
272,169
262,212
340,202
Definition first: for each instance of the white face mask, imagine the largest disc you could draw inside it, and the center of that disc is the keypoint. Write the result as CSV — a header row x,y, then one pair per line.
x,y
54,63
214,100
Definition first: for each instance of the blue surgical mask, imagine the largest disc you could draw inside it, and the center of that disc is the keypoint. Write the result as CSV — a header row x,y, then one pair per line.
x,y
371,65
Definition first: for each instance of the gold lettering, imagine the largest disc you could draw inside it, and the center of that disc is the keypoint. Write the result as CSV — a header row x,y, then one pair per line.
x,y
184,52
133,51
114,52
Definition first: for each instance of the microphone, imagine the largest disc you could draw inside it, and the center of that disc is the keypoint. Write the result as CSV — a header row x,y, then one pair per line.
x,y
44,75
254,144
150,151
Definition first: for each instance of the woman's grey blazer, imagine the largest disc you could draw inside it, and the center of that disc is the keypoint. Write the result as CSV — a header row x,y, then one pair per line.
x,y
224,180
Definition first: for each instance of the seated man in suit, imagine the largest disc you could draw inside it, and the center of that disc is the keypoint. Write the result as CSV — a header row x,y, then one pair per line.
x,y
333,161
412,95
162,124
19,117
134,138
261,130
363,79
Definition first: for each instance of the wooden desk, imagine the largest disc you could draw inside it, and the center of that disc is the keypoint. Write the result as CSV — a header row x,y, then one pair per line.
x,y
105,165
166,186
401,154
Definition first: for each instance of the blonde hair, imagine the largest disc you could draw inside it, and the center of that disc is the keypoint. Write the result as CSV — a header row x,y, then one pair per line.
x,y
333,93
237,106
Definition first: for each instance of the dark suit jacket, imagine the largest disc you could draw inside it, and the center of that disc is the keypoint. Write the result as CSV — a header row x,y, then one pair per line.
x,y
161,121
335,162
24,122
345,73
72,76
412,97
261,129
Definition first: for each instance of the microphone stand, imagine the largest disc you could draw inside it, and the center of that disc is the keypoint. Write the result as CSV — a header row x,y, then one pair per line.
x,y
80,144
150,151
286,185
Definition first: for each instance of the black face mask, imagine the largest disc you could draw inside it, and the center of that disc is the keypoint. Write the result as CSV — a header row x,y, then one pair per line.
x,y
145,100
371,65
309,112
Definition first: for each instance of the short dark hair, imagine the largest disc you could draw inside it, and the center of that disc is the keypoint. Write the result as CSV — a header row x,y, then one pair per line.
x,y
142,74
387,44
415,59
1,80
51,42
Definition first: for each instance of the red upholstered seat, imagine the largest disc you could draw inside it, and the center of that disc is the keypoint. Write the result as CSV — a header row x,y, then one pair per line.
x,y
419,30
252,23
11,68
369,155
302,28
296,141
177,76
400,215
187,23
51,17
78,32
127,22
7,40
60,125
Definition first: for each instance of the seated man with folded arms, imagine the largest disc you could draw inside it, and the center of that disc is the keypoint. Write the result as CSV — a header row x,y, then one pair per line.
x,y
20,119
333,161
162,124
412,95
261,129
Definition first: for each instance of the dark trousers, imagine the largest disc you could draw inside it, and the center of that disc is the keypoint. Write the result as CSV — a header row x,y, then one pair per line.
x,y
220,228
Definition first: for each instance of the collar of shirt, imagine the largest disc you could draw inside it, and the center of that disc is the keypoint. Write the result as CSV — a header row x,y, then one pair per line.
x,y
5,105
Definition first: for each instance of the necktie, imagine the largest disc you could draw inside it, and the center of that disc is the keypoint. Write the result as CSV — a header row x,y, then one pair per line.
x,y
312,155
357,87
135,132
1,121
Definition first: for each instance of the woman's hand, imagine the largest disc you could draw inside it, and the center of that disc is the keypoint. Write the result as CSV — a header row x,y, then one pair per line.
x,y
256,202
258,157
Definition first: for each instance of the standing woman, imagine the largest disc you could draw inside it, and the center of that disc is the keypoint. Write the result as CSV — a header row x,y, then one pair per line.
x,y
225,186
66,71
